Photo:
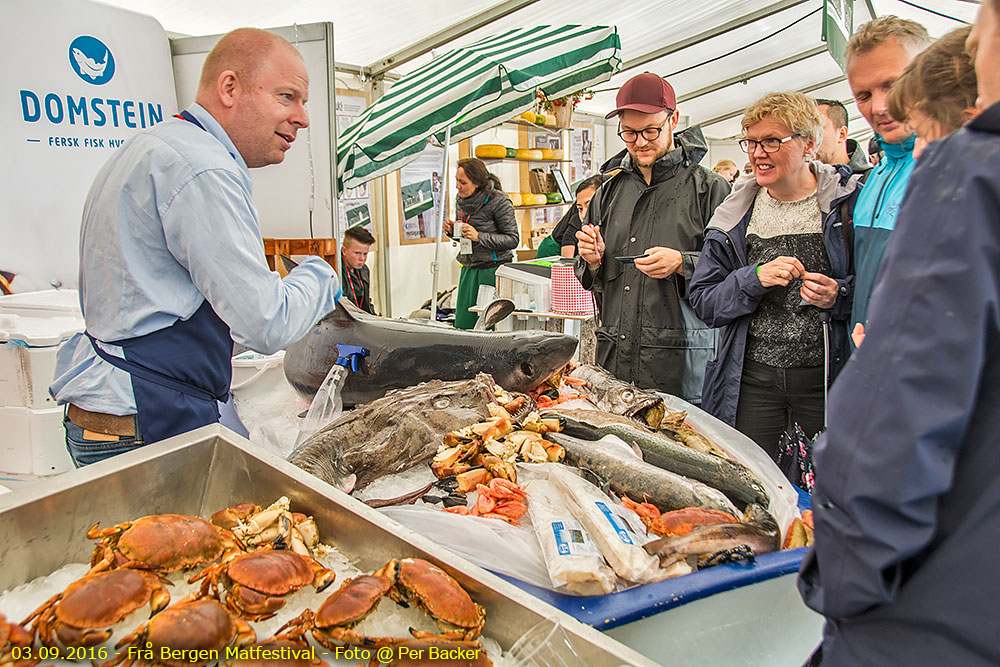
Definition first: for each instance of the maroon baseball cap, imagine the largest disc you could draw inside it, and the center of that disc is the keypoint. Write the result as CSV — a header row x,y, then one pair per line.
x,y
645,93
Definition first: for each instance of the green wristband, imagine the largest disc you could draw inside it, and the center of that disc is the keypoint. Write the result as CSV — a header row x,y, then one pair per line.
x,y
758,269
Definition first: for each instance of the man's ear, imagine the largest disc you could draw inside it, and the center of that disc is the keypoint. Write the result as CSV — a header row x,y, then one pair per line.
x,y
842,135
227,87
673,120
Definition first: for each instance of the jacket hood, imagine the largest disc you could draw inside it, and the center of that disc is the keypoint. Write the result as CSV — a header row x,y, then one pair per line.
x,y
857,157
689,148
832,184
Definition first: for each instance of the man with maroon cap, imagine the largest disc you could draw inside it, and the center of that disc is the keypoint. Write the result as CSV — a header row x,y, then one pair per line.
x,y
654,210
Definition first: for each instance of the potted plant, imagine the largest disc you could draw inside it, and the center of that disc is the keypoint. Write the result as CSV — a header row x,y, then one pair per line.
x,y
562,107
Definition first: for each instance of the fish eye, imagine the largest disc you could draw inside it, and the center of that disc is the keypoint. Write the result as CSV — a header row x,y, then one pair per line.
x,y
442,403
628,395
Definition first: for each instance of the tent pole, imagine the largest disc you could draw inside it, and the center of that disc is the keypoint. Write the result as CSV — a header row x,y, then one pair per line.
x,y
436,266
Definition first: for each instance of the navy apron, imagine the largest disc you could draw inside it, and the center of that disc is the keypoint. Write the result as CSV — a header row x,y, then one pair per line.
x,y
178,373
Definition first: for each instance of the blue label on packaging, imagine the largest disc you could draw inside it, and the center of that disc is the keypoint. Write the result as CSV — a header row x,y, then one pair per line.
x,y
616,523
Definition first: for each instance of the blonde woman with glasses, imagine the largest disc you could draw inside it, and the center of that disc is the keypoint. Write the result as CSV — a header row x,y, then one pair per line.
x,y
774,270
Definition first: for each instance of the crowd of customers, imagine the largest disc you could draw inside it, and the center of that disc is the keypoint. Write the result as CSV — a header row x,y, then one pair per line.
x,y
817,238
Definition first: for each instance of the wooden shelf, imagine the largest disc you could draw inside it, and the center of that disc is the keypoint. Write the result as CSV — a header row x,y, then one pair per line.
x,y
493,160
547,129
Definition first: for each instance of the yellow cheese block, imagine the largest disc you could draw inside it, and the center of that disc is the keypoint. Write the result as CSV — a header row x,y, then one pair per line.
x,y
529,154
547,153
557,154
491,151
515,198
535,200
528,116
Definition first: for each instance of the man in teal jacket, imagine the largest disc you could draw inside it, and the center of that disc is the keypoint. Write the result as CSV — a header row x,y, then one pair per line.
x,y
877,54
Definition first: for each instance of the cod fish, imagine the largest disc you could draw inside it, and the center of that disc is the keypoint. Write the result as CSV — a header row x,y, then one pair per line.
x,y
393,433
730,477
612,395
758,531
402,353
637,479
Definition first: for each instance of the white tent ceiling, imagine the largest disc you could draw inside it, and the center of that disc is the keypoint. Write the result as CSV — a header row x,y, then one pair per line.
x,y
715,75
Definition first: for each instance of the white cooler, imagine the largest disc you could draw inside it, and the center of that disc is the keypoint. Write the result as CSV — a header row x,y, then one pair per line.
x,y
32,441
46,303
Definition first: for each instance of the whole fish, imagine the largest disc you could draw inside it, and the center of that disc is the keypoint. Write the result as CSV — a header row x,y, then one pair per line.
x,y
630,476
402,353
393,433
730,477
758,531
612,395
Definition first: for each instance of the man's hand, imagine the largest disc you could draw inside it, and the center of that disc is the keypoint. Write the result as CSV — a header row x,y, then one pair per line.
x,y
780,271
590,244
819,290
661,262
858,335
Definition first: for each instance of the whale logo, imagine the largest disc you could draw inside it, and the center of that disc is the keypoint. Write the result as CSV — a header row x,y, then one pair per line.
x,y
91,59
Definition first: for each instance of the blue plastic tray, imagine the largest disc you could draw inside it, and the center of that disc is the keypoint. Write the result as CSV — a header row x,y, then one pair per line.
x,y
608,611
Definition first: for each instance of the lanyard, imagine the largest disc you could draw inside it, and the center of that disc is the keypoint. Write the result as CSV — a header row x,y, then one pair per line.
x,y
350,282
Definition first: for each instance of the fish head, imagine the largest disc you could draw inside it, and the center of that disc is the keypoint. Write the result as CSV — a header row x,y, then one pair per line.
x,y
618,397
539,354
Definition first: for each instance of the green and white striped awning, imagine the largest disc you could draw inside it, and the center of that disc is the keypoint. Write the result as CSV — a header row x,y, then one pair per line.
x,y
471,89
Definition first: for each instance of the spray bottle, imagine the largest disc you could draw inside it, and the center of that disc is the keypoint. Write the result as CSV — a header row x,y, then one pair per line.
x,y
328,402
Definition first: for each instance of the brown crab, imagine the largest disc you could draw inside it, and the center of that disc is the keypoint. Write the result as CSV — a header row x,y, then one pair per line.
x,y
438,595
188,627
257,582
14,640
332,624
83,614
163,543
256,527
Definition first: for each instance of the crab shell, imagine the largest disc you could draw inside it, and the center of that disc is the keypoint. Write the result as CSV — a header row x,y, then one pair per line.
x,y
162,542
83,613
256,582
188,626
13,636
436,593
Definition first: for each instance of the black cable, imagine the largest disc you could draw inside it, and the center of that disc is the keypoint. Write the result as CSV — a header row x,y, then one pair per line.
x,y
935,12
745,46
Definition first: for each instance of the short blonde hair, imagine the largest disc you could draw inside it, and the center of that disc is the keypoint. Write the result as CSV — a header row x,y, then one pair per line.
x,y
795,111
725,163
909,34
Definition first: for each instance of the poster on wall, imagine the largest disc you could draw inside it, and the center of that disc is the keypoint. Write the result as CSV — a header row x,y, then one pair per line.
x,y
420,197
581,153
82,78
355,203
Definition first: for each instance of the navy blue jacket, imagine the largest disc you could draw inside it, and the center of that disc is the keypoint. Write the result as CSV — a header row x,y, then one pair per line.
x,y
907,499
725,290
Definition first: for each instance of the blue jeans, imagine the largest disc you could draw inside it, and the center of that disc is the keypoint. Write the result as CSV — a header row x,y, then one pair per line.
x,y
84,451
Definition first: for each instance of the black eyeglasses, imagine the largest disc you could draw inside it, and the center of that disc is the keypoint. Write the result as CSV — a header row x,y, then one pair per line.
x,y
649,133
748,146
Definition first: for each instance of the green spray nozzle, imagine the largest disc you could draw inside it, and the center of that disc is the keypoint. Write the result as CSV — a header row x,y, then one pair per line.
x,y
348,355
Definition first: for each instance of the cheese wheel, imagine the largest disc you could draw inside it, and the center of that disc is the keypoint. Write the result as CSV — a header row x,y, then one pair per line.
x,y
546,153
557,154
553,198
528,116
511,152
529,154
539,199
491,151
550,119
515,198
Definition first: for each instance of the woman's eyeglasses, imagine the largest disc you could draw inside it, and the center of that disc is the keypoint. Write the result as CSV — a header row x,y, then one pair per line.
x,y
748,146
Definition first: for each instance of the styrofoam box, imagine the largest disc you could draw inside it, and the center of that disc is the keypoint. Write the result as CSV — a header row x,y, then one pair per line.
x,y
33,442
28,348
46,303
524,288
